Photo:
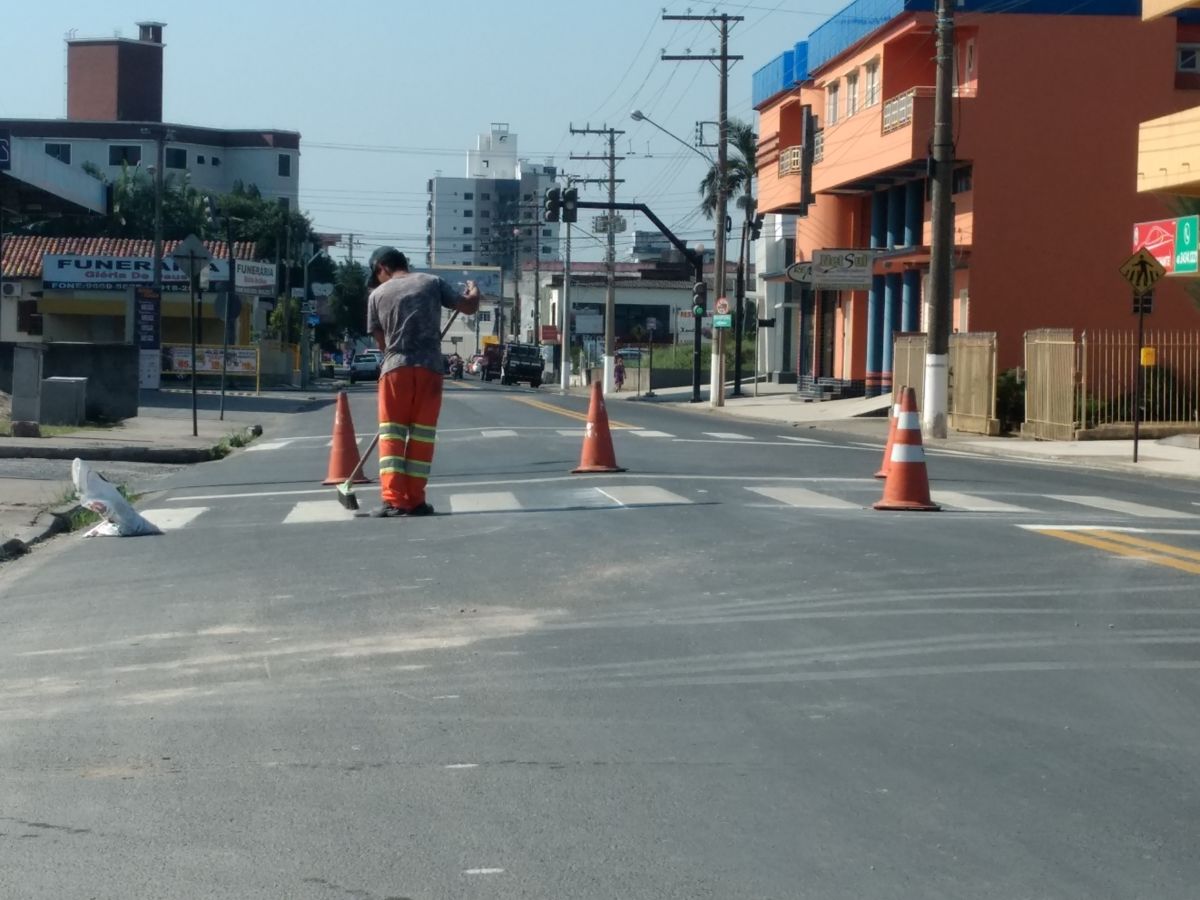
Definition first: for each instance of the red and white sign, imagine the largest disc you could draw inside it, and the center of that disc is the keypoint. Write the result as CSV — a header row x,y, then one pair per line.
x,y
722,306
1159,238
549,334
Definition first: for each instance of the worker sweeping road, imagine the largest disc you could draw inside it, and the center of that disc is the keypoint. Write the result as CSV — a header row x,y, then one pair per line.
x,y
404,312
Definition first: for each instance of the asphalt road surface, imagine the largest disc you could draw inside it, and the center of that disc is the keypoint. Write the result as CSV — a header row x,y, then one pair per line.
x,y
719,674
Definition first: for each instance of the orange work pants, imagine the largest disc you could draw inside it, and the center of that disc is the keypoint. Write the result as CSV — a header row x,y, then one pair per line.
x,y
410,399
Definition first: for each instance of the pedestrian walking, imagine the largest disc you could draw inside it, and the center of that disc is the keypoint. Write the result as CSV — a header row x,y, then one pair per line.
x,y
619,373
404,313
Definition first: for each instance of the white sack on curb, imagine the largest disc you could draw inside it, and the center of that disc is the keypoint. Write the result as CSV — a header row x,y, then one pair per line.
x,y
103,498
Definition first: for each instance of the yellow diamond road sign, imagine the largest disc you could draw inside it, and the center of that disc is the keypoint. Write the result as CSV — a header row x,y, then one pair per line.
x,y
1142,271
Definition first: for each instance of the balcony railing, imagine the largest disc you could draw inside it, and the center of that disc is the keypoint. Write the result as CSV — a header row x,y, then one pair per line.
x,y
790,160
819,145
898,112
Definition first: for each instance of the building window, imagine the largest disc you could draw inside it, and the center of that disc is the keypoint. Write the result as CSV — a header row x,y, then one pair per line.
x,y
468,213
485,163
285,166
467,230
485,230
200,160
485,214
851,93
129,154
546,232
527,197
963,179
467,248
468,195
528,232
1187,58
485,196
872,93
831,104
546,250
175,158
61,152
216,160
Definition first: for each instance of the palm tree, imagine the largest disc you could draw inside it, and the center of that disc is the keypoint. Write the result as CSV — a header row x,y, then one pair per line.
x,y
739,170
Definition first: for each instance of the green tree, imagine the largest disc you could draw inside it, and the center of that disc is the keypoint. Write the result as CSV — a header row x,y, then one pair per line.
x,y
740,171
349,301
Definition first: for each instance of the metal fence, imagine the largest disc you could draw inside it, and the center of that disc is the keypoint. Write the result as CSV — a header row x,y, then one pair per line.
x,y
1108,365
972,388
1050,384
908,364
972,401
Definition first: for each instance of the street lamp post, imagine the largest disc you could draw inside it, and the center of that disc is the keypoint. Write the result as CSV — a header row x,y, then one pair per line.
x,y
697,346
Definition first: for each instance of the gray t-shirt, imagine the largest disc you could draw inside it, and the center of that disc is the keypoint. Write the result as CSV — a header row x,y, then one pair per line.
x,y
409,312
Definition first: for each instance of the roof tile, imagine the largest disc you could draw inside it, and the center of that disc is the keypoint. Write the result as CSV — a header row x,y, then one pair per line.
x,y
23,252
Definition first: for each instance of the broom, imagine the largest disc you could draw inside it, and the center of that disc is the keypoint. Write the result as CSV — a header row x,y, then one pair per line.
x,y
345,490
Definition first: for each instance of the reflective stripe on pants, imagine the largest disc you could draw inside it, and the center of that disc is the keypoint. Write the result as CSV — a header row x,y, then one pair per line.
x,y
410,400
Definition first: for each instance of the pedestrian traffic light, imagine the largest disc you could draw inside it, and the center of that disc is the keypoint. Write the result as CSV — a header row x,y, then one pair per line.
x,y
553,204
699,299
570,205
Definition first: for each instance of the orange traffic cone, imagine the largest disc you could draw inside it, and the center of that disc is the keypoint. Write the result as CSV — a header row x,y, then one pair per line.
x,y
887,451
907,484
597,455
343,458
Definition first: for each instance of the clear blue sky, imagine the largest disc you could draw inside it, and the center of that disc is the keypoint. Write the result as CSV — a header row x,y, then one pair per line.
x,y
412,83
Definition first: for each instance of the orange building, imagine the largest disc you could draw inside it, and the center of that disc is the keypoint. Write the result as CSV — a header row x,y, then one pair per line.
x,y
1048,98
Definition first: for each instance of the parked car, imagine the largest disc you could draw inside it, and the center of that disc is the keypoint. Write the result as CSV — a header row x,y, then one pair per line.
x,y
365,367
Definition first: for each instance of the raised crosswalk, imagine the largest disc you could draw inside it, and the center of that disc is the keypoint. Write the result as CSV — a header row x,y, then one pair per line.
x,y
816,496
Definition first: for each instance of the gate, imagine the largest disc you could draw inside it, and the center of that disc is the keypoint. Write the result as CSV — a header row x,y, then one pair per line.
x,y
1050,384
973,383
972,388
908,364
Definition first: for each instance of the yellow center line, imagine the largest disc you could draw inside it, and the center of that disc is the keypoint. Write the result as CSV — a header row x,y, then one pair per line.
x,y
1110,542
462,384
1169,549
569,413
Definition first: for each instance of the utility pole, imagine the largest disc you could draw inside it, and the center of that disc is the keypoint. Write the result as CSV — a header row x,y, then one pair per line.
x,y
351,253
160,158
610,259
537,273
564,312
941,255
723,59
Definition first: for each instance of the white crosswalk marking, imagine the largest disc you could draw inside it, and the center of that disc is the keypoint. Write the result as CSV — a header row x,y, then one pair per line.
x,y
571,432
648,433
800,440
642,495
174,518
971,503
727,436
498,432
1122,506
312,512
268,445
486,501
803,498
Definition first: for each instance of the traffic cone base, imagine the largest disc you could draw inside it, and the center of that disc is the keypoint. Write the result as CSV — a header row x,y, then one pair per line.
x,y
597,454
343,457
907,486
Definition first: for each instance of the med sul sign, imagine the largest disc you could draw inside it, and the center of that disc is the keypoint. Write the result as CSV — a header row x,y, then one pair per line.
x,y
1173,242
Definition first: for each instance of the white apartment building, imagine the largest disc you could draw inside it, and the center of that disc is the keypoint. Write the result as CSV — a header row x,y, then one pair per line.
x,y
492,215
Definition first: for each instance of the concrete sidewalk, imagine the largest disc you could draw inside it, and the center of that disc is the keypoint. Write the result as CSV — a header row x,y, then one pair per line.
x,y
1177,457
160,433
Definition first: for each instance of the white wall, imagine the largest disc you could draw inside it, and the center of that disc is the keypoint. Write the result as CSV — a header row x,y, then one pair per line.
x,y
250,165
770,256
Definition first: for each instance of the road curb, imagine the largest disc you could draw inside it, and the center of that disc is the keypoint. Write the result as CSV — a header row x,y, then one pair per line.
x,y
170,455
45,525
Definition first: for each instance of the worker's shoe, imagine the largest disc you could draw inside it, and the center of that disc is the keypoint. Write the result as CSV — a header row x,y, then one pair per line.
x,y
421,509
387,511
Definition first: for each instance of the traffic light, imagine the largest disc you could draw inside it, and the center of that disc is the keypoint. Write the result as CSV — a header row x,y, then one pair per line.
x,y
570,207
553,204
699,299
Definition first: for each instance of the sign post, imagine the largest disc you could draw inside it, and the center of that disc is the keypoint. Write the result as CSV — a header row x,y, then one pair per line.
x,y
1142,271
651,326
192,256
147,305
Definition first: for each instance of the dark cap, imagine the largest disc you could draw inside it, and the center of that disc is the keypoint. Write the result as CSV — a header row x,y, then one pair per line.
x,y
387,256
